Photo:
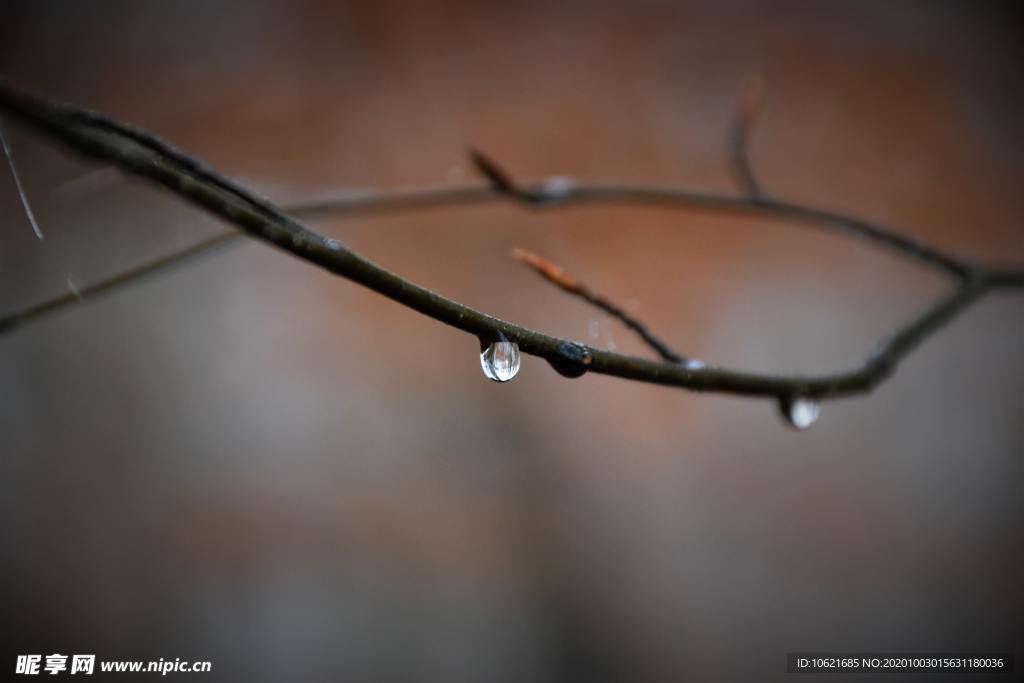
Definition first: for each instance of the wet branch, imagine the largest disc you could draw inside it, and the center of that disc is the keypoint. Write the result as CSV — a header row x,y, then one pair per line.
x,y
143,154
557,276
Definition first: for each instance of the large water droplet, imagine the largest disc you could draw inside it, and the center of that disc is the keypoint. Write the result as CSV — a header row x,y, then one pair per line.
x,y
500,360
800,412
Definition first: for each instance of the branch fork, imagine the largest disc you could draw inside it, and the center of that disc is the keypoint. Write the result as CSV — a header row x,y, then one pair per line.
x,y
143,154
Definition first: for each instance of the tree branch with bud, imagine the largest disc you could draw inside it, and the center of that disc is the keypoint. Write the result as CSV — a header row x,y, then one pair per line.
x,y
143,154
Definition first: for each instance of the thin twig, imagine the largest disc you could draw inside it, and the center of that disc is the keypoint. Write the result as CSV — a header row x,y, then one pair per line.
x,y
557,276
105,286
739,139
883,361
86,184
498,177
143,154
26,207
1006,277
570,192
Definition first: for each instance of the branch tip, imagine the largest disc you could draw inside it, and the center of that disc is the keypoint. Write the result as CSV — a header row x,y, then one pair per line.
x,y
753,99
739,138
549,270
499,178
556,275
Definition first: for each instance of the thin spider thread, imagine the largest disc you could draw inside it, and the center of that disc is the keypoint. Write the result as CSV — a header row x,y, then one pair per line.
x,y
17,184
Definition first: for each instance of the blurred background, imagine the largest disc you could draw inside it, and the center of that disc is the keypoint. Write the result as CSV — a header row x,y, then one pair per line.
x,y
251,462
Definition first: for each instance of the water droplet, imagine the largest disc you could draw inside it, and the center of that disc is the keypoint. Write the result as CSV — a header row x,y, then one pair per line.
x,y
73,286
694,364
572,360
500,360
558,188
799,412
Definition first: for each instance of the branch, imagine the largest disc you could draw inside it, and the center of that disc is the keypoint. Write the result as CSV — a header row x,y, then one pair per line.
x,y
557,276
739,139
158,265
498,177
561,191
143,154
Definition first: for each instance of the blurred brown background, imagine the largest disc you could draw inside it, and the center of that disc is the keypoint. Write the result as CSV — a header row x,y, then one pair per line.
x,y
251,462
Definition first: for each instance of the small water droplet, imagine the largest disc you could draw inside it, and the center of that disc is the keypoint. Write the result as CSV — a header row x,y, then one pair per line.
x,y
73,286
500,360
694,364
800,412
558,188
